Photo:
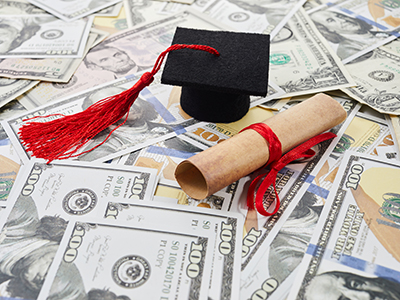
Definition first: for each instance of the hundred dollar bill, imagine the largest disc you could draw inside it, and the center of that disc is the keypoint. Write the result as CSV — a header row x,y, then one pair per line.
x,y
44,197
292,182
9,166
211,134
43,36
301,62
121,261
365,134
354,27
72,9
252,16
10,89
47,69
355,238
153,117
285,252
121,54
377,76
164,157
19,7
226,228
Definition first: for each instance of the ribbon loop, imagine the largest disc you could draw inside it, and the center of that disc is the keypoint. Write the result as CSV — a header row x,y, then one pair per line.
x,y
277,162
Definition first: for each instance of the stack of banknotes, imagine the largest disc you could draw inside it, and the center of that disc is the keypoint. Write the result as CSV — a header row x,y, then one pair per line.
x,y
113,223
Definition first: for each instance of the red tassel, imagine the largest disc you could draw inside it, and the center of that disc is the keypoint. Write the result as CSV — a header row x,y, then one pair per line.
x,y
63,137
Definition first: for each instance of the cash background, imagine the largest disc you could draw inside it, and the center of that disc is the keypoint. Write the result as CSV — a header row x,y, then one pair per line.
x,y
360,66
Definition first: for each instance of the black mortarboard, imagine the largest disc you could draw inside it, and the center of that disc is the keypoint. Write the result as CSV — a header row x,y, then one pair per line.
x,y
218,88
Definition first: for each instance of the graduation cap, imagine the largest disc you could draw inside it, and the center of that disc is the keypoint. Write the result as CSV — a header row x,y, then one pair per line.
x,y
218,88
217,82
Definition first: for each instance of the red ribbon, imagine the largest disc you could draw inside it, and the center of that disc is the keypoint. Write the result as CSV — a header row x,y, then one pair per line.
x,y
277,162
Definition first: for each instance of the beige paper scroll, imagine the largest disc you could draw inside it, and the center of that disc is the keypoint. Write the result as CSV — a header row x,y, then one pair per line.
x,y
215,168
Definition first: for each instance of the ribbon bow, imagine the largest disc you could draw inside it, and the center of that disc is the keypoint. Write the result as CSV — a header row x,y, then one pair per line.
x,y
277,162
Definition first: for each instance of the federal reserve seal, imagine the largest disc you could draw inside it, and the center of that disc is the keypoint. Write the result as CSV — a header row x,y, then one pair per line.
x,y
387,102
79,202
381,75
60,85
52,34
131,271
239,17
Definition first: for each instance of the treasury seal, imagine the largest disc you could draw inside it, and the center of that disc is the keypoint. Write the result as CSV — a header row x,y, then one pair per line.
x,y
390,208
79,201
279,59
131,271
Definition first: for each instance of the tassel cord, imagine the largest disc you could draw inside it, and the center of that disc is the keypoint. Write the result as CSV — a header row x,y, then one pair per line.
x,y
61,138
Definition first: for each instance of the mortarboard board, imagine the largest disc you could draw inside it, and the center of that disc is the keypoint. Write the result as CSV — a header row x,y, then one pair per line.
x,y
218,88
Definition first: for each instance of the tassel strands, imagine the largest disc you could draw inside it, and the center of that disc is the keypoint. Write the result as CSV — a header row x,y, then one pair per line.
x,y
63,137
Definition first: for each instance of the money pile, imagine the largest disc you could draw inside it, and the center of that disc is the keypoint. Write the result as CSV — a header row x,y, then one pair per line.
x,y
113,223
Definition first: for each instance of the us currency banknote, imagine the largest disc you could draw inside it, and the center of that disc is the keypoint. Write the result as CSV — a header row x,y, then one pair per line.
x,y
377,80
164,157
10,89
301,62
71,10
159,262
354,28
354,240
225,226
292,182
47,69
252,16
119,56
43,199
9,166
365,134
43,36
19,7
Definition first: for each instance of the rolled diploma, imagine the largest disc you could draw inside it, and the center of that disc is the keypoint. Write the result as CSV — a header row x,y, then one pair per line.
x,y
217,167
